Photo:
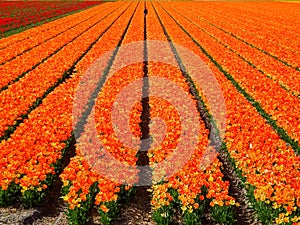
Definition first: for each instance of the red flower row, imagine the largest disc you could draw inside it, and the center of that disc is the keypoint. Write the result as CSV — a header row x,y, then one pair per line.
x,y
19,14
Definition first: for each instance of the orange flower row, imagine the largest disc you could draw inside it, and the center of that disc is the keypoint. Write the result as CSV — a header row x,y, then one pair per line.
x,y
280,106
264,159
189,179
44,51
32,41
272,29
88,82
271,67
98,146
17,99
27,157
195,174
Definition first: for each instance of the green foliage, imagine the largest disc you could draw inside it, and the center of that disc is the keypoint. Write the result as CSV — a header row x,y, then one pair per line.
x,y
195,217
35,195
111,214
8,196
124,196
175,195
113,206
32,197
79,215
163,215
192,218
65,189
266,213
223,214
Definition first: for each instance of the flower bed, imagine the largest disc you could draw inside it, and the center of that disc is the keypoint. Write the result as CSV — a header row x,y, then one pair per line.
x,y
18,14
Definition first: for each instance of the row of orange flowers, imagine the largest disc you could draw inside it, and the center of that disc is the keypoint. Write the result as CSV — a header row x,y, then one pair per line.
x,y
199,181
262,157
101,158
43,53
201,170
20,96
272,68
44,35
265,30
279,19
31,154
111,143
280,106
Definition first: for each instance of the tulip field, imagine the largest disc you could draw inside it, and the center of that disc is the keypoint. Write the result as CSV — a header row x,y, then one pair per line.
x,y
16,15
149,112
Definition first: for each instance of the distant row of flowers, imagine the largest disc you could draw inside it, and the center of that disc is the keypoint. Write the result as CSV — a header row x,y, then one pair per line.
x,y
267,27
266,64
18,14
